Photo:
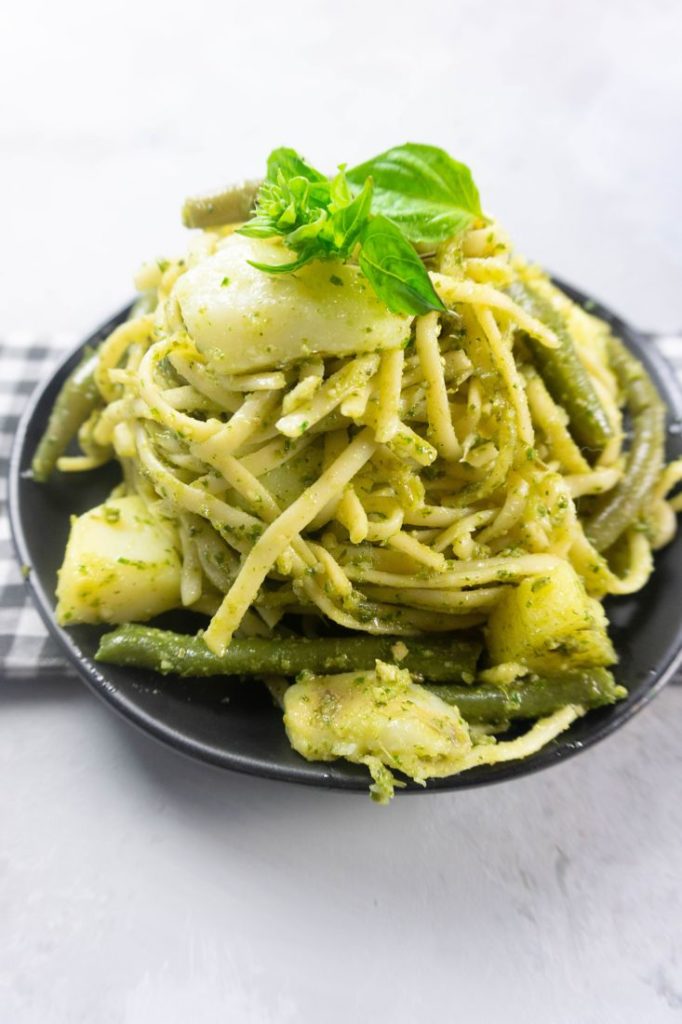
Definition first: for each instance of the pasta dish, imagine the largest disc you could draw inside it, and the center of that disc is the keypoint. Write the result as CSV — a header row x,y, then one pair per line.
x,y
392,467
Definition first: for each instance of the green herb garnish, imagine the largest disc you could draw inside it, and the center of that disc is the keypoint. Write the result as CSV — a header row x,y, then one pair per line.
x,y
394,270
422,189
317,217
375,212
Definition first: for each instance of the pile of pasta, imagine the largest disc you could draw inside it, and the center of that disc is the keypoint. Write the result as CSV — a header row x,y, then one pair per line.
x,y
390,475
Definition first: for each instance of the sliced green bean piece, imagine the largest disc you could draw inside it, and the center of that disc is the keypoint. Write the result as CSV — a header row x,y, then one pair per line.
x,y
620,508
75,402
563,373
439,660
534,697
230,206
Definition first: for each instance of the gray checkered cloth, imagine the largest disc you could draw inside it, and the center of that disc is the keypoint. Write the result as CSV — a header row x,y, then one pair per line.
x,y
26,650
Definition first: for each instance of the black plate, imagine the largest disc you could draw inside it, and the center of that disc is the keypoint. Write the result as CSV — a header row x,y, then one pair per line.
x,y
236,726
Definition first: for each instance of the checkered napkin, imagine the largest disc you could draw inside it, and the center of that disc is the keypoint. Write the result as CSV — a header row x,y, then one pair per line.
x,y
25,648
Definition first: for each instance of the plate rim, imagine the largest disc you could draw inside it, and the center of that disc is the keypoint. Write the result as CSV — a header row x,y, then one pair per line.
x,y
317,774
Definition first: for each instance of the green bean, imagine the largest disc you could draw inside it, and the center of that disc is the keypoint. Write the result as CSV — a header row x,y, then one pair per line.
x,y
620,508
230,206
439,660
534,697
435,660
75,402
563,373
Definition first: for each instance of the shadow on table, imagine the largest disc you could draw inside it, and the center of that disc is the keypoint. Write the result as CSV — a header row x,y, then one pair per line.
x,y
203,790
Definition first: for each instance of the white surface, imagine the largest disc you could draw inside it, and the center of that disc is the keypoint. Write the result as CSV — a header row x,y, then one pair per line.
x,y
138,887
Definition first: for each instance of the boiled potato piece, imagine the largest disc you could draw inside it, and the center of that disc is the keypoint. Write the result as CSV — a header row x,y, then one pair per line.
x,y
381,719
244,319
120,565
549,623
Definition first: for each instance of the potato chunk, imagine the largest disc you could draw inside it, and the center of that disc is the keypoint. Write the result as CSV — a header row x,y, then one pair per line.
x,y
549,623
381,719
120,565
244,319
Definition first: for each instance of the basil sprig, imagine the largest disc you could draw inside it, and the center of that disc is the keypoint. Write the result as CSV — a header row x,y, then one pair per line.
x,y
409,194
318,218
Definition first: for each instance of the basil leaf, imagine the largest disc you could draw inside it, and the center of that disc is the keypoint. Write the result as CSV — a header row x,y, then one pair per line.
x,y
283,268
394,270
348,222
287,162
258,227
308,234
422,189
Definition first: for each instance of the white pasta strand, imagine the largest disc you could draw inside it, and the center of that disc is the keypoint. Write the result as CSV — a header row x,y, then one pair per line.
x,y
352,376
442,431
389,384
503,360
453,291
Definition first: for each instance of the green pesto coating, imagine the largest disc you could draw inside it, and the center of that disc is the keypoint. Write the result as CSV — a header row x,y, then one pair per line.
x,y
563,373
75,402
229,206
438,660
644,461
533,697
